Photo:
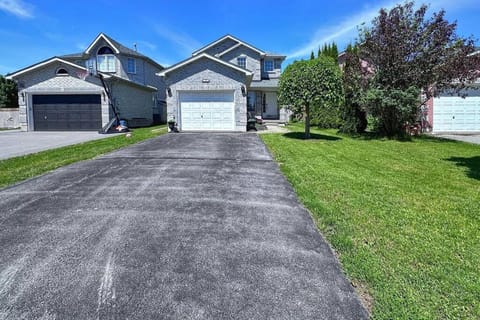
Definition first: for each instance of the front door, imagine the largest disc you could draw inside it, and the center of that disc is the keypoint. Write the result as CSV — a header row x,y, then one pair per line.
x,y
270,110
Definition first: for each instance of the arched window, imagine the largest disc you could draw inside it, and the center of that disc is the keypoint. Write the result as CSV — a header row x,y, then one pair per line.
x,y
105,60
62,72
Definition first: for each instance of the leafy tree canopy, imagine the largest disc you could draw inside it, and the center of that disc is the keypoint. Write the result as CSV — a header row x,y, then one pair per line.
x,y
406,49
8,93
412,53
310,84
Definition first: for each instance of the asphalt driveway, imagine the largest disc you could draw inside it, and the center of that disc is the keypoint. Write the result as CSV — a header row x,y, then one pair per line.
x,y
183,226
16,143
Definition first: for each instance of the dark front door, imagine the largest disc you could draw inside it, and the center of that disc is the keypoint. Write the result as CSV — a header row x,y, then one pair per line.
x,y
67,112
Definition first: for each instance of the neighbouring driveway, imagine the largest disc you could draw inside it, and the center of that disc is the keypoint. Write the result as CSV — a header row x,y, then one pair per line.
x,y
473,138
183,226
17,143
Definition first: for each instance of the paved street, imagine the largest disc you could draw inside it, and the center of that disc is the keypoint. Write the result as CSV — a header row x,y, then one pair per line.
x,y
183,226
14,143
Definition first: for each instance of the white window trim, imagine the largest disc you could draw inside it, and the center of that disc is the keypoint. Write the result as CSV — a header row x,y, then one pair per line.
x,y
265,65
279,64
245,59
107,57
61,74
134,66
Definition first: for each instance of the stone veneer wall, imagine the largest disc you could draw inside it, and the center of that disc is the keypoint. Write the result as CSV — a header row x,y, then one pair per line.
x,y
220,78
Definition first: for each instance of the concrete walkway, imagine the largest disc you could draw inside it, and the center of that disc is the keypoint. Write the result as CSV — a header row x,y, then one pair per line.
x,y
183,226
14,143
474,138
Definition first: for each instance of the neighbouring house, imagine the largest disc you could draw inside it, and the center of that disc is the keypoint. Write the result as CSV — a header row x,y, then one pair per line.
x,y
220,84
451,113
81,91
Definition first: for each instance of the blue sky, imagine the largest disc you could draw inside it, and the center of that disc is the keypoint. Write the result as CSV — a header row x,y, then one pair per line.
x,y
169,31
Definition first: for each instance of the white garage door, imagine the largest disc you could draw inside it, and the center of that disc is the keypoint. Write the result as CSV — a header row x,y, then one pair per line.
x,y
205,111
456,114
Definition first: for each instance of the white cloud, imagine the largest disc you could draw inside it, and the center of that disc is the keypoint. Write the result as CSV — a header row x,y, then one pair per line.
x,y
146,44
183,41
345,30
17,8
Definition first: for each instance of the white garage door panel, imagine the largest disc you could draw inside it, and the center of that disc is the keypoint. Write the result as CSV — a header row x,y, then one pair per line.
x,y
456,114
205,111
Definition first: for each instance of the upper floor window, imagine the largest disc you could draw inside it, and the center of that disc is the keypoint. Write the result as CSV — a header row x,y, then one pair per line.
x,y
131,65
268,65
278,64
62,72
105,60
242,62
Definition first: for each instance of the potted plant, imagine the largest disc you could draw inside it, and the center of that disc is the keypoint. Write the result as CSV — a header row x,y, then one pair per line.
x,y
171,124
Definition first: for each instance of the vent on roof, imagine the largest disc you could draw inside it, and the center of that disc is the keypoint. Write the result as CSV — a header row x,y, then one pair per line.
x,y
62,72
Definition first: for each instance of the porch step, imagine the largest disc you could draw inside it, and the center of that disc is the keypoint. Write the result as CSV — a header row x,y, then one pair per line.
x,y
273,123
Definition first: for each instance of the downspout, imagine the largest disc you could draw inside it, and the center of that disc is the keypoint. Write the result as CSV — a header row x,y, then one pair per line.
x,y
109,96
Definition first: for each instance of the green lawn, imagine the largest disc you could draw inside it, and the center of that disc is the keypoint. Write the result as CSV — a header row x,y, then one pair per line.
x,y
404,217
20,168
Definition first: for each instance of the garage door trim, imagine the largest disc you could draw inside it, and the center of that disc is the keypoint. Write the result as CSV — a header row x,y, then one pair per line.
x,y
456,114
66,111
207,110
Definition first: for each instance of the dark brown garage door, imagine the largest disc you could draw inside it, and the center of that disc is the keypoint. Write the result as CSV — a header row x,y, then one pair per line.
x,y
67,112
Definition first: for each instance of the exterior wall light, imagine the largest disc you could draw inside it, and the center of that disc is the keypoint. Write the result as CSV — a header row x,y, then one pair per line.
x,y
169,91
244,90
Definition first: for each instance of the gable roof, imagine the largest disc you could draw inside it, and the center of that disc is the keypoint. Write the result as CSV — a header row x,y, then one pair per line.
x,y
228,36
119,48
198,57
43,63
60,60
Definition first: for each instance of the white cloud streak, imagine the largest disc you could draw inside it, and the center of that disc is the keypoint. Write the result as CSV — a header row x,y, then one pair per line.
x,y
146,44
346,30
183,41
17,8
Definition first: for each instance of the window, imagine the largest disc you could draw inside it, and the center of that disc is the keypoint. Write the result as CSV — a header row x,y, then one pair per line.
x,y
242,62
278,64
131,65
251,98
268,65
62,72
105,60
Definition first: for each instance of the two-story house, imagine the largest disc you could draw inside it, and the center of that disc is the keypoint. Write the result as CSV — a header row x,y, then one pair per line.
x,y
220,83
67,92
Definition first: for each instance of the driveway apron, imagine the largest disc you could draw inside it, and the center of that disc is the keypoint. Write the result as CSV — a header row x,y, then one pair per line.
x,y
183,226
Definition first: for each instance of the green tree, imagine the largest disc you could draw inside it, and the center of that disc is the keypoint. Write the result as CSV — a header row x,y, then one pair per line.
x,y
354,115
312,55
409,50
305,86
329,50
8,93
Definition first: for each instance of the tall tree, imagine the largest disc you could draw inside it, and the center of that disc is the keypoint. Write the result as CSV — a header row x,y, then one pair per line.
x,y
354,115
409,50
306,85
8,93
312,55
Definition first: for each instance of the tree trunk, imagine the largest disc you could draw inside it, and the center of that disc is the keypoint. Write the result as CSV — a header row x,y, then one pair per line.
x,y
307,121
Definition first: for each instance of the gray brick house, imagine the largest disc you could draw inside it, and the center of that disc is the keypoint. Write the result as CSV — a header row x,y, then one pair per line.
x,y
66,92
216,87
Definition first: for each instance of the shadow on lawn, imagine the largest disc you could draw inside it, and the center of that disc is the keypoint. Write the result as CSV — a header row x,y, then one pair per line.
x,y
472,163
313,136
